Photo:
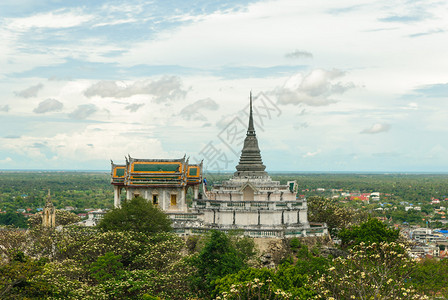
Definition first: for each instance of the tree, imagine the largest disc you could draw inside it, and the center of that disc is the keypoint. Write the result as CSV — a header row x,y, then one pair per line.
x,y
287,281
217,259
430,277
62,218
371,231
11,241
16,275
321,209
106,267
374,271
138,215
13,218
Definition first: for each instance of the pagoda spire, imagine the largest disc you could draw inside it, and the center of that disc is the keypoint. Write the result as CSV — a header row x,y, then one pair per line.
x,y
251,129
250,164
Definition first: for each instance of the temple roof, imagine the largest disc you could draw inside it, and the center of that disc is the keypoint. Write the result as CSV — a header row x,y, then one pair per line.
x,y
250,164
156,172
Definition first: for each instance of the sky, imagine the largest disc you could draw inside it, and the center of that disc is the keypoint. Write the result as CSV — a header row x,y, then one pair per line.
x,y
337,86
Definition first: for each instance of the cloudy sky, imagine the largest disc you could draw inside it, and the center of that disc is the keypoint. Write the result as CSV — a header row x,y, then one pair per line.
x,y
338,85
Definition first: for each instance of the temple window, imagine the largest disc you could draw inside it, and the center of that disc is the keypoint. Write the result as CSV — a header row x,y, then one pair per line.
x,y
173,199
248,194
155,199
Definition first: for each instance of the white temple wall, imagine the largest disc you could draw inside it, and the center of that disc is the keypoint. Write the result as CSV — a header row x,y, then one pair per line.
x,y
290,217
270,217
223,196
164,197
225,217
303,217
289,196
246,217
275,197
208,217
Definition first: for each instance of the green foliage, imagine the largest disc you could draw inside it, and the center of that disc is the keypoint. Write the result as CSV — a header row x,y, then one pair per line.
x,y
217,259
12,240
289,280
251,284
430,278
13,218
15,276
137,215
371,231
295,244
244,246
90,264
106,267
77,189
193,243
337,217
374,271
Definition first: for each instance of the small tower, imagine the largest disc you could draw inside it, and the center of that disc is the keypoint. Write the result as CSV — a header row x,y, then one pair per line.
x,y
49,213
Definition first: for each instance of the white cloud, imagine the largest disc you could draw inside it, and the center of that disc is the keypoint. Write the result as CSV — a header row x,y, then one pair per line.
x,y
311,154
48,106
377,128
314,89
168,88
53,19
299,54
30,92
99,142
6,160
192,111
411,106
134,107
4,108
83,111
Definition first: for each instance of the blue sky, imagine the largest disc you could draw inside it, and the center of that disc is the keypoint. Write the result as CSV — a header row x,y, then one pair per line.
x,y
337,85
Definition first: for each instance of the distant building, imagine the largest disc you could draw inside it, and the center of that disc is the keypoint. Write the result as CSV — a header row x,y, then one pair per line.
x,y
435,201
412,208
426,235
49,213
93,217
375,196
250,201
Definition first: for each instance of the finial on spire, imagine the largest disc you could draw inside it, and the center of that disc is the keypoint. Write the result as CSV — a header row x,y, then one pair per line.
x,y
251,129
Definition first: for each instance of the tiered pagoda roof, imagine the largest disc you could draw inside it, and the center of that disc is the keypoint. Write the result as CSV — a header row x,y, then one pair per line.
x,y
250,164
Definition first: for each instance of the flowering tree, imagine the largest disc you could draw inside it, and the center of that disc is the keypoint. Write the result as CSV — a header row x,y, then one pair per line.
x,y
321,209
373,271
11,241
62,218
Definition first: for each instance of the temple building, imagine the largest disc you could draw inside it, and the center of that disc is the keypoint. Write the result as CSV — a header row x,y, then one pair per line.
x,y
49,213
250,201
164,182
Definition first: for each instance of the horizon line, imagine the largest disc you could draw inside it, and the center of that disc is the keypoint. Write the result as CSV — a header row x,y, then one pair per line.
x,y
227,172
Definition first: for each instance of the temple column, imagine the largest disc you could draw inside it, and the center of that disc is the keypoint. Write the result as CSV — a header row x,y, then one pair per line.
x,y
164,204
195,191
117,195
